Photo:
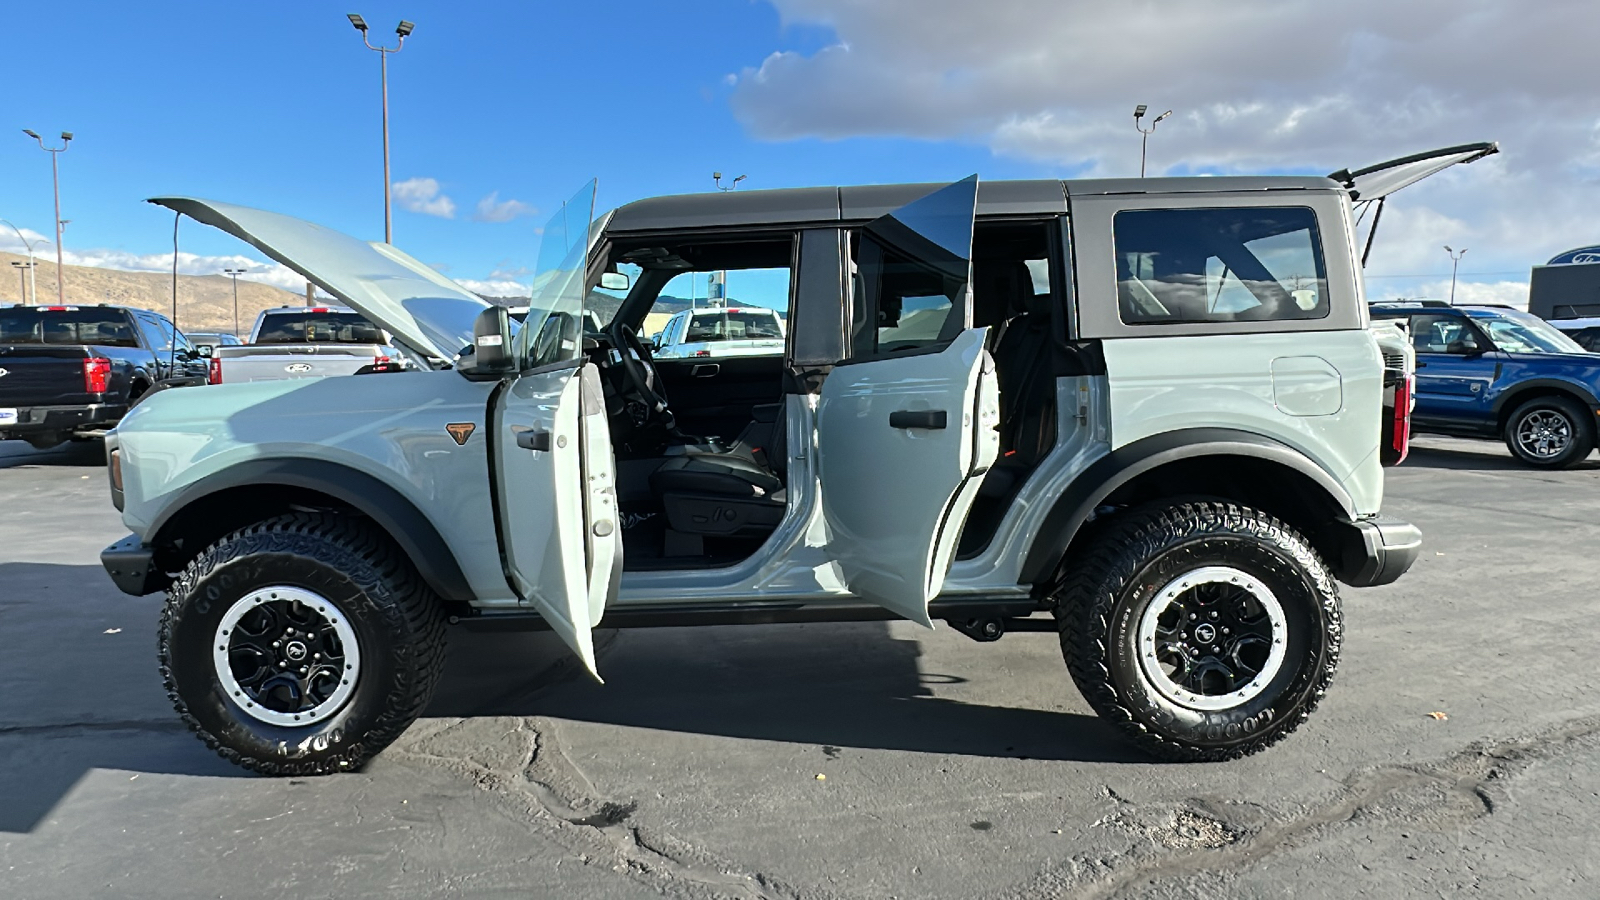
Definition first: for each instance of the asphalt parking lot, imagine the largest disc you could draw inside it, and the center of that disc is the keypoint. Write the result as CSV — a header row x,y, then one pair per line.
x,y
849,761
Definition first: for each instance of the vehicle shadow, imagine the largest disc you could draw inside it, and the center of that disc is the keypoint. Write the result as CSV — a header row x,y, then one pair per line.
x,y
77,660
14,454
1467,456
843,685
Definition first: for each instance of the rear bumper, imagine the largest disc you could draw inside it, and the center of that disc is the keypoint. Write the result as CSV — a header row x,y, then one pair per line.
x,y
132,567
47,419
1371,552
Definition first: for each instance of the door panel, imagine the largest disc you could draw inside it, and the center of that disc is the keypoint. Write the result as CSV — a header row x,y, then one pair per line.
x,y
714,396
557,509
1453,390
902,445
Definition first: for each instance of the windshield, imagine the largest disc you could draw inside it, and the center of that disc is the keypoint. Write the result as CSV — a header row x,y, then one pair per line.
x,y
1520,332
99,327
318,328
733,326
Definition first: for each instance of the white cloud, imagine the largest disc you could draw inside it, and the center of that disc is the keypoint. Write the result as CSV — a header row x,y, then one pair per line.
x,y
494,287
421,195
1257,85
493,209
188,263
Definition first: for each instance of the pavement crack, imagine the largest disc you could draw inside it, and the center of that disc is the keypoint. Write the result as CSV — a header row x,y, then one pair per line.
x,y
1452,792
153,725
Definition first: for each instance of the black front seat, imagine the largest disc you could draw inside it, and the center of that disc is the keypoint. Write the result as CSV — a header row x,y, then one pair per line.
x,y
1024,375
719,494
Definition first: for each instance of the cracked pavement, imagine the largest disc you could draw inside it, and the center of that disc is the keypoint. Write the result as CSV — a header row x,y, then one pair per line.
x,y
948,769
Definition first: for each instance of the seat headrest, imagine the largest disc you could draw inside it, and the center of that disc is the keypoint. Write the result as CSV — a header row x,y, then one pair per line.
x,y
1006,281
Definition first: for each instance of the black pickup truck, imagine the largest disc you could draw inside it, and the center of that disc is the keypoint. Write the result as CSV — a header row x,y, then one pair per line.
x,y
73,371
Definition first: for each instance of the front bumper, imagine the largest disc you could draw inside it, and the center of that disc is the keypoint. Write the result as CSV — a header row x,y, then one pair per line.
x,y
48,419
1370,552
132,567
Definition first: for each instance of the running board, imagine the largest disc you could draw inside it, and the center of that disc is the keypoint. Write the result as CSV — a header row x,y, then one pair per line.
x,y
1011,609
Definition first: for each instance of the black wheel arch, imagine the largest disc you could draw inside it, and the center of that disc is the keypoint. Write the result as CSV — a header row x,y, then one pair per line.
x,y
263,488
1224,463
1534,388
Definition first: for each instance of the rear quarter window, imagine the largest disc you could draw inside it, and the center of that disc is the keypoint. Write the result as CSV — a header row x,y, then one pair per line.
x,y
1241,264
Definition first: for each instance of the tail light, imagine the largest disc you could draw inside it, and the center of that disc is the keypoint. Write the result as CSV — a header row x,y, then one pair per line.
x,y
96,375
1400,427
215,374
700,353
381,361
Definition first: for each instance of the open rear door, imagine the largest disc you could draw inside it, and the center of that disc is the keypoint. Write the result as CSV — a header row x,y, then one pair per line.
x,y
555,477
907,427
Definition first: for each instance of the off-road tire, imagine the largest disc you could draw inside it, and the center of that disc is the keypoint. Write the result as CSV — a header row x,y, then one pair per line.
x,y
1108,585
396,618
1580,422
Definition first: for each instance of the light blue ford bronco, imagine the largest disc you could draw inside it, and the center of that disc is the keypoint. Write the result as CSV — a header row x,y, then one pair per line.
x,y
1144,413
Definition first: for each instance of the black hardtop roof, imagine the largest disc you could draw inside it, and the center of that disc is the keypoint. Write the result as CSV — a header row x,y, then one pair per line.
x,y
859,203
1382,307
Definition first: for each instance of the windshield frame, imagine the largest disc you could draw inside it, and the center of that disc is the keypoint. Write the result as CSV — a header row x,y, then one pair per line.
x,y
1555,341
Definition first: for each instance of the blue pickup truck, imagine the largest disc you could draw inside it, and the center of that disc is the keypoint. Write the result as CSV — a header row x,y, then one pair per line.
x,y
1490,371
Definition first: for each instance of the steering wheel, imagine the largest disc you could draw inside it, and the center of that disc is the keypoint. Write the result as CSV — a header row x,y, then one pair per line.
x,y
640,372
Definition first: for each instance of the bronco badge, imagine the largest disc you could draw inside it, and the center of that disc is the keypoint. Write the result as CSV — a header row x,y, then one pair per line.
x,y
461,431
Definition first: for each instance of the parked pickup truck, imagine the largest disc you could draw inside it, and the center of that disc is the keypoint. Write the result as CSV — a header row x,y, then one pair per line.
x,y
1490,371
74,371
1156,433
304,342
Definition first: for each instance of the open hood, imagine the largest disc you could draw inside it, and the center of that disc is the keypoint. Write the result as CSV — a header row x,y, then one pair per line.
x,y
423,309
1379,181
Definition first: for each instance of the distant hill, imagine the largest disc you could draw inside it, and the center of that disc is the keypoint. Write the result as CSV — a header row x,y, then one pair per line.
x,y
205,302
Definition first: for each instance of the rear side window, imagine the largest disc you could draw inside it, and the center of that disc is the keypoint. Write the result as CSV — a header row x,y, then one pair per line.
x,y
314,327
1242,264
35,325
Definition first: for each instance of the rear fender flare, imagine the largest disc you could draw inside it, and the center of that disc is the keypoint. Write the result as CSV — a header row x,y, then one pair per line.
x,y
1121,466
387,507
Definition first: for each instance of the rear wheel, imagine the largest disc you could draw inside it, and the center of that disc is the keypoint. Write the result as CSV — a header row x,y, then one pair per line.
x,y
1205,630
46,441
1550,432
301,645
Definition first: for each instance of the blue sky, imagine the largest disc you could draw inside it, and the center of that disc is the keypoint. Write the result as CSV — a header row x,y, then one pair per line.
x,y
276,105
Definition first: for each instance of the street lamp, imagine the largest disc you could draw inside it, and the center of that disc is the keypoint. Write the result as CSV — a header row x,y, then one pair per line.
x,y
235,273
22,280
1455,260
33,287
55,175
402,30
1144,140
721,276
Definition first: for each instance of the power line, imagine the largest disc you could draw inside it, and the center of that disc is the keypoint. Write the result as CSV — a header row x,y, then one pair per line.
x,y
1447,274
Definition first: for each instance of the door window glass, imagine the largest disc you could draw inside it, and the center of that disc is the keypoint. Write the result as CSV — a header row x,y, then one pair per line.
x,y
910,272
152,333
1244,264
725,312
1440,334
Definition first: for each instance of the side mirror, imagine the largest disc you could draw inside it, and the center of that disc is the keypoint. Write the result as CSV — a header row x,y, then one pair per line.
x,y
205,351
1463,348
614,281
491,346
655,341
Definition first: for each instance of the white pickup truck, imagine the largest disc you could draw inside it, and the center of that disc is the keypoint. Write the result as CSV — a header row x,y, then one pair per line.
x,y
305,342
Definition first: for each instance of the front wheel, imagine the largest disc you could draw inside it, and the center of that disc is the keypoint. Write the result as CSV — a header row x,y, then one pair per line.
x,y
1550,433
1205,630
301,645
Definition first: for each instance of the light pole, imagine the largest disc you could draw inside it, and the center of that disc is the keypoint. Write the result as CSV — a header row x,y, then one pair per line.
x,y
403,29
1144,138
1455,260
234,274
722,276
55,177
33,286
22,279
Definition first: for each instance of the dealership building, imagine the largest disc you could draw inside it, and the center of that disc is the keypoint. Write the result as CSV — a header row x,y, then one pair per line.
x,y
1568,286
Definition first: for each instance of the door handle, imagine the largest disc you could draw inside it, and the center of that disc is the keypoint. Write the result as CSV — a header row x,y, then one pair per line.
x,y
705,370
1421,365
918,418
534,440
